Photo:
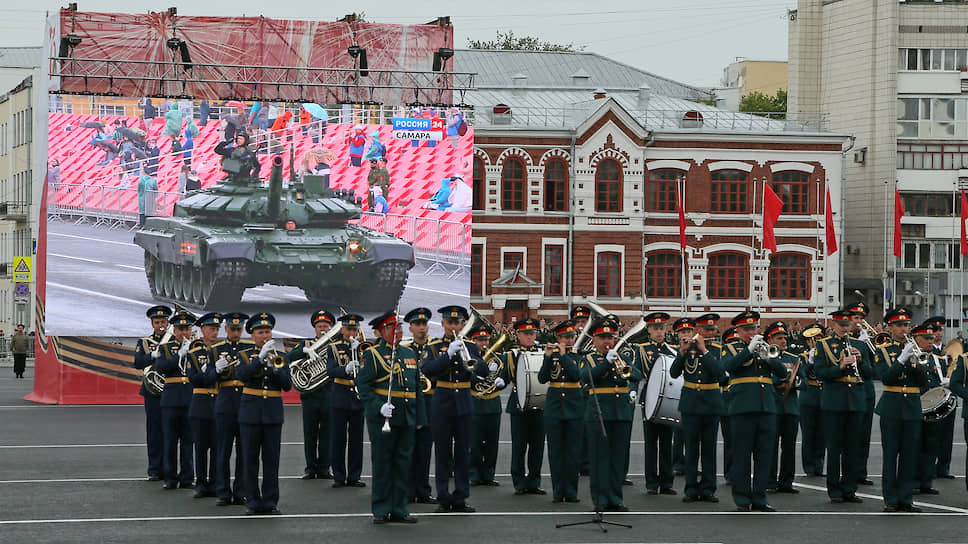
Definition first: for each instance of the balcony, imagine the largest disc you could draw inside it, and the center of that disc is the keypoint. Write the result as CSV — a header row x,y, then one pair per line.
x,y
15,211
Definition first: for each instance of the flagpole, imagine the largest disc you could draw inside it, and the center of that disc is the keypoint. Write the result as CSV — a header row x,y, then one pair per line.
x,y
762,249
821,248
681,184
891,199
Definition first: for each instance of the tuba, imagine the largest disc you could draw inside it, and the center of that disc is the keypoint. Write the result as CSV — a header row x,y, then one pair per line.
x,y
583,337
487,385
153,381
309,372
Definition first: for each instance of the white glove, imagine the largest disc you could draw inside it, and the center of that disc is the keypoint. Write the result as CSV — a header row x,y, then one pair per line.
x,y
611,356
906,353
205,368
183,350
350,367
492,367
499,383
386,410
863,336
156,353
756,343
221,364
945,381
811,354
453,348
354,343
269,346
632,395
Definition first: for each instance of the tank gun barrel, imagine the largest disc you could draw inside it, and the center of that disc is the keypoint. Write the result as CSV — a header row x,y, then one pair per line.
x,y
275,188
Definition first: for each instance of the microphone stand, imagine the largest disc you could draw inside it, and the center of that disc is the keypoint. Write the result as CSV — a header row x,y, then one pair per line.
x,y
598,517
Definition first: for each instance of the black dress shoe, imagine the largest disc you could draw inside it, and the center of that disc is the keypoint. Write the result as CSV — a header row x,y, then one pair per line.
x,y
930,491
557,500
402,519
309,476
338,485
667,491
475,483
491,483
743,508
442,509
462,509
617,508
789,490
891,508
252,512
169,485
238,501
865,481
818,474
627,482
710,498
223,502
198,494
946,476
854,499
520,491
186,485
837,500
572,499
324,476
910,508
272,511
380,520
763,508
653,492
357,483
690,498
154,478
535,491
426,500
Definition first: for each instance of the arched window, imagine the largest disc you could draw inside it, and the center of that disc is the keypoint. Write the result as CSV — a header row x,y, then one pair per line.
x,y
662,191
479,185
790,276
663,275
556,186
513,181
608,186
728,276
609,273
792,188
730,191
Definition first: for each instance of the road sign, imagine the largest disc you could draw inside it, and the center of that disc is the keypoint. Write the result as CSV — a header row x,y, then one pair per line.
x,y
21,269
22,290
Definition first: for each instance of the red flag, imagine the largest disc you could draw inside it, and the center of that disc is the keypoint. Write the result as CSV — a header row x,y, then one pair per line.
x,y
682,216
898,214
772,206
964,217
828,219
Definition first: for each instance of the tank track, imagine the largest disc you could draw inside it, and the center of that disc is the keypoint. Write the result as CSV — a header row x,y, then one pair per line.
x,y
388,280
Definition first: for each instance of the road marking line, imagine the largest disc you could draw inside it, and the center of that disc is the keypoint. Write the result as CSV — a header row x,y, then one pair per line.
x,y
49,233
73,258
97,294
880,498
138,268
464,295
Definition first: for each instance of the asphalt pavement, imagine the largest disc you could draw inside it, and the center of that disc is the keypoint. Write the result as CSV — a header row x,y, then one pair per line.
x,y
76,474
96,286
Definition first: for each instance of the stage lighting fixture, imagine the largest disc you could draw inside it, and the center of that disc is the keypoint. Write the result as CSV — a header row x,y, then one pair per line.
x,y
440,57
172,11
67,45
359,57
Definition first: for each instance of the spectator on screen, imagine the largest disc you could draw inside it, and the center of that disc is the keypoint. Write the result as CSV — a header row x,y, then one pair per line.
x,y
147,190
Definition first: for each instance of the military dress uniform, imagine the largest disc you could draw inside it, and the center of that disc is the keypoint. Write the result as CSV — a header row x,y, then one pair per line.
x,y
527,426
153,428
860,309
701,404
201,411
578,313
658,437
842,403
959,386
947,425
346,411
899,410
175,400
486,424
391,450
228,436
932,432
419,489
451,411
317,442
812,439
752,411
608,422
564,414
730,336
784,464
260,421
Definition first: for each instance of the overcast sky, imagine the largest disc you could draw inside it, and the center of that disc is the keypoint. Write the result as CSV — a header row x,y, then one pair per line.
x,y
689,40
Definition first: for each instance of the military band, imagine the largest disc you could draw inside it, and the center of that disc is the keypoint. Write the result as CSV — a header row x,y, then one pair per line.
x,y
419,489
486,423
201,411
315,403
228,433
171,361
564,412
144,361
346,410
787,412
813,446
659,476
527,424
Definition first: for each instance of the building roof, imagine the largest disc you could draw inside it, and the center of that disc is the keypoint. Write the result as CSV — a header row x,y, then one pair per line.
x,y
21,57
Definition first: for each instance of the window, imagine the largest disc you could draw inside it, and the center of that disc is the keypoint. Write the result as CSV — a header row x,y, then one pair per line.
x,y
729,191
104,110
554,265
926,255
728,276
937,117
932,157
480,188
931,204
512,185
662,192
513,260
924,59
608,187
791,187
609,268
556,186
663,275
477,270
789,276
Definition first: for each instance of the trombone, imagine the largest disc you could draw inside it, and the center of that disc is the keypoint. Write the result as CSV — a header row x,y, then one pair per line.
x,y
875,340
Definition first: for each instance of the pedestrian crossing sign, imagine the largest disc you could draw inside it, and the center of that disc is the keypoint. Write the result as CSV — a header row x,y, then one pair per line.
x,y
21,269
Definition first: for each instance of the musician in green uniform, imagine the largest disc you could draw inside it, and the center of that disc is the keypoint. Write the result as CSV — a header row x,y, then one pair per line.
x,y
784,464
608,415
842,365
752,410
389,387
658,437
931,430
701,404
947,428
579,315
486,422
527,424
899,410
564,412
419,490
315,408
730,336
812,441
858,315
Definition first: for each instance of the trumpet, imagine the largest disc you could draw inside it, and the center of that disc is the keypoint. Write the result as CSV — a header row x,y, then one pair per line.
x,y
922,357
768,351
183,359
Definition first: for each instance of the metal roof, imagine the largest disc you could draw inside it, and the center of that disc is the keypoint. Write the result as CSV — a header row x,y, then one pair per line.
x,y
21,57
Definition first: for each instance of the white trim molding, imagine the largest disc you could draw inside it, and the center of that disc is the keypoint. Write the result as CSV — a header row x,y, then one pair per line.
x,y
730,165
785,166
515,249
668,163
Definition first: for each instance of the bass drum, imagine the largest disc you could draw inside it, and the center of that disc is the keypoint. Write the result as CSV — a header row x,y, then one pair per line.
x,y
937,403
531,394
662,393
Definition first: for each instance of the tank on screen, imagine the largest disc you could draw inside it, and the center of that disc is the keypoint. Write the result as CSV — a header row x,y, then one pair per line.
x,y
239,234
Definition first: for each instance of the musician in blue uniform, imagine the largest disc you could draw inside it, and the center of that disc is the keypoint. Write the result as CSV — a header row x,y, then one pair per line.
x,y
419,490
812,442
784,464
266,376
345,407
171,361
142,359
389,386
317,444
452,362
658,437
564,412
859,311
527,425
486,423
228,436
201,412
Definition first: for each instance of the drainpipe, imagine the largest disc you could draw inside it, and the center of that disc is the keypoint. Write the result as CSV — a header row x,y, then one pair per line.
x,y
843,214
571,223
645,183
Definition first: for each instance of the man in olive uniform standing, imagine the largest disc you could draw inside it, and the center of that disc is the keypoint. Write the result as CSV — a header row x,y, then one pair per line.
x,y
346,410
931,431
564,412
730,336
419,490
228,433
842,366
486,425
752,410
813,441
899,411
658,438
266,376
580,315
608,416
201,412
946,441
389,387
170,361
142,359
859,313
317,443
527,426
784,463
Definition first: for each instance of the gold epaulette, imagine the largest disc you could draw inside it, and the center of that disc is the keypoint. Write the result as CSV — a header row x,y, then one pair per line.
x,y
824,338
715,345
220,343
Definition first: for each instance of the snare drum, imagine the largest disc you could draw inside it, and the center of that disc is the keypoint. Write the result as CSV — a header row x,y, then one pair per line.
x,y
937,403
662,393
531,394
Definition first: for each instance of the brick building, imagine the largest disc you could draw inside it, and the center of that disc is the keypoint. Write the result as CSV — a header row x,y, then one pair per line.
x,y
576,164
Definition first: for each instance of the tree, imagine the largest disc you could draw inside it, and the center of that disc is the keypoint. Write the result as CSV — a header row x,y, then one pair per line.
x,y
509,42
758,102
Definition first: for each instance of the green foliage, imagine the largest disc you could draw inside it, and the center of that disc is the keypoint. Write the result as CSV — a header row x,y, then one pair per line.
x,y
757,102
509,42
